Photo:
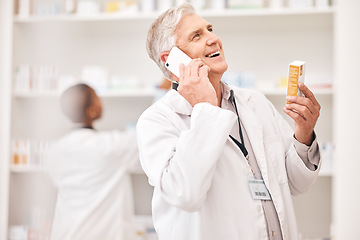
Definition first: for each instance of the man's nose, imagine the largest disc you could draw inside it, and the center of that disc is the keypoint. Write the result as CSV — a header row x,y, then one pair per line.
x,y
212,38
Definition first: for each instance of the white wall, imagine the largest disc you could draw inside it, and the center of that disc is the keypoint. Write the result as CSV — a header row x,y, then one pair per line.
x,y
347,120
5,98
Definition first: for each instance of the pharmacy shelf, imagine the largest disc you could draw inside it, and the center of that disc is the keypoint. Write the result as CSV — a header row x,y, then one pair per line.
x,y
26,169
87,17
106,94
266,12
106,35
152,92
152,15
129,93
144,228
39,169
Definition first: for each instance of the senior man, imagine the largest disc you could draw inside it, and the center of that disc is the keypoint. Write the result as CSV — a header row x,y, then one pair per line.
x,y
222,160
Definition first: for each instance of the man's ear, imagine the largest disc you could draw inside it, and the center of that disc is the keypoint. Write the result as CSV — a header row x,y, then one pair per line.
x,y
164,56
90,113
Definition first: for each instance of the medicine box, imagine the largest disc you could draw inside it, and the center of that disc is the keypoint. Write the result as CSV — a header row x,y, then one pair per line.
x,y
296,75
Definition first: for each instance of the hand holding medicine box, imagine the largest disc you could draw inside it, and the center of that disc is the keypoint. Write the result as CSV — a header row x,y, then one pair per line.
x,y
296,76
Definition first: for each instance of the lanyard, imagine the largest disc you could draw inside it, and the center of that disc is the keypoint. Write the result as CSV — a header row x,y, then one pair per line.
x,y
242,144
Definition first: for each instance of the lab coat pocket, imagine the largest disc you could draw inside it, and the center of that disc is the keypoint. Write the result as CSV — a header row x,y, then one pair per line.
x,y
275,152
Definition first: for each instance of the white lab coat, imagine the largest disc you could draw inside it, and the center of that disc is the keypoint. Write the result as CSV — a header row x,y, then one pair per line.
x,y
90,169
200,175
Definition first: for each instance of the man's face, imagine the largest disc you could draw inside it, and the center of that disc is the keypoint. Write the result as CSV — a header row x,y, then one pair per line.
x,y
196,38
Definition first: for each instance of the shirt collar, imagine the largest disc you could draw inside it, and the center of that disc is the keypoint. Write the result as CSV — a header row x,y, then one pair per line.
x,y
241,94
225,91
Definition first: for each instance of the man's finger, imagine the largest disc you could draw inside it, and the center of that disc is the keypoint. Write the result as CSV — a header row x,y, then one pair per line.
x,y
194,67
204,71
303,101
294,115
182,71
306,91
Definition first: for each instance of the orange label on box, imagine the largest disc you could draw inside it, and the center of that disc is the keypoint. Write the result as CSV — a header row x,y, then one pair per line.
x,y
293,80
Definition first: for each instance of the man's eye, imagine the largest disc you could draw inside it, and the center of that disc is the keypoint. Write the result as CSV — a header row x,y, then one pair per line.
x,y
196,36
210,29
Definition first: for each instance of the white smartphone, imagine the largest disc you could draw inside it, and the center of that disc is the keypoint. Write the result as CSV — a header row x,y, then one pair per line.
x,y
176,56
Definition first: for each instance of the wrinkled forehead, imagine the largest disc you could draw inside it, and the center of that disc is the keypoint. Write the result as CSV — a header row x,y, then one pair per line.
x,y
188,24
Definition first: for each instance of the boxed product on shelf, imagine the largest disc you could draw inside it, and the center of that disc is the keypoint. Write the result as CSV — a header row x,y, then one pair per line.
x,y
163,5
198,4
218,4
87,7
322,3
38,228
23,8
28,153
147,5
246,3
45,79
124,82
318,82
300,3
21,152
48,9
36,78
240,79
129,6
96,76
18,232
144,228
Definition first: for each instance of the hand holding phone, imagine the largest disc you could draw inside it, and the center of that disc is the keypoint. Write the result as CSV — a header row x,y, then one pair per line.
x,y
194,88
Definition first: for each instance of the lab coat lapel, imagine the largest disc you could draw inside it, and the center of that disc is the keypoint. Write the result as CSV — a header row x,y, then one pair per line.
x,y
254,131
178,103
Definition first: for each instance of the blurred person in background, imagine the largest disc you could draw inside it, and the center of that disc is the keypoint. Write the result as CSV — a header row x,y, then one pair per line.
x,y
90,169
223,162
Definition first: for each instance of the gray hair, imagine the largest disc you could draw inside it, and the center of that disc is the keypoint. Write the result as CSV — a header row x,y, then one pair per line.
x,y
161,35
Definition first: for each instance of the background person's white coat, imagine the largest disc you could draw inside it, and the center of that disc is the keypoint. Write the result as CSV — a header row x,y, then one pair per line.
x,y
90,169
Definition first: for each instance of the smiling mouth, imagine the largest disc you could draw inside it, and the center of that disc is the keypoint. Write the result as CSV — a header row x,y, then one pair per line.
x,y
215,54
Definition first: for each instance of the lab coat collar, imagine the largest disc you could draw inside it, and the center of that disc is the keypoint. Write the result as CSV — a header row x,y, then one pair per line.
x,y
178,103
254,131
252,126
181,106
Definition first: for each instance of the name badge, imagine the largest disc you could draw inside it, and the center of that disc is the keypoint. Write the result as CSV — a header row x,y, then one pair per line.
x,y
258,189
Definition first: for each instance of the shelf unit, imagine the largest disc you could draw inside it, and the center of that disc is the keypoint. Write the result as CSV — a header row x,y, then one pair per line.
x,y
30,169
5,108
151,92
252,43
25,169
152,16
106,94
282,92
